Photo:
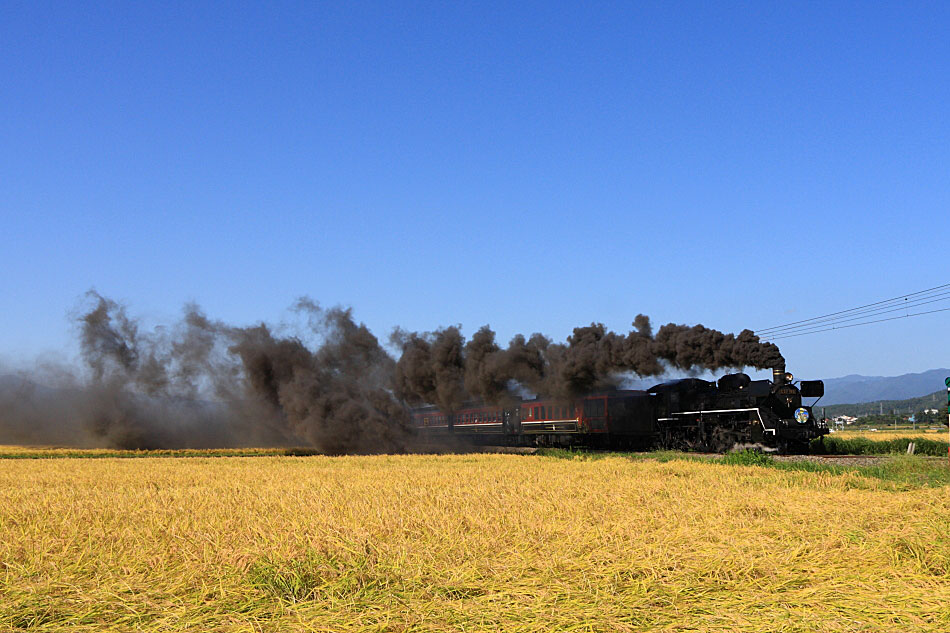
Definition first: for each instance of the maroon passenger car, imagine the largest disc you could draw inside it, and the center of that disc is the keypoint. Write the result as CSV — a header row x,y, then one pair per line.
x,y
624,416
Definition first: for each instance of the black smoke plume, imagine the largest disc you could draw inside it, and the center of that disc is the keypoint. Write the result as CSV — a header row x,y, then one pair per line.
x,y
201,383
438,368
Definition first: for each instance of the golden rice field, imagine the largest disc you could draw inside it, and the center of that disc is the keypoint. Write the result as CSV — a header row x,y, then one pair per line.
x,y
465,543
885,434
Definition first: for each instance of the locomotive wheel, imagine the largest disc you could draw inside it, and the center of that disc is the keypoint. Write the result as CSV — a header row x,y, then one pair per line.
x,y
721,441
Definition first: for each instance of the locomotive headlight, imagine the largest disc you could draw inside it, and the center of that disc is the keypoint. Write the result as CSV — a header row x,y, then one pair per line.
x,y
789,378
801,415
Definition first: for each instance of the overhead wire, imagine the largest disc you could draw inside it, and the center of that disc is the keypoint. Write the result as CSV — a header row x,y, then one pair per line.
x,y
854,316
841,327
844,318
870,306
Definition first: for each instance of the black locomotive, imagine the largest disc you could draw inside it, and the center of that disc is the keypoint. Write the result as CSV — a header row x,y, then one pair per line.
x,y
687,414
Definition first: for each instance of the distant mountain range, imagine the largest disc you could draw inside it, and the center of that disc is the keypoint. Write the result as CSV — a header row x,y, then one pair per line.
x,y
855,389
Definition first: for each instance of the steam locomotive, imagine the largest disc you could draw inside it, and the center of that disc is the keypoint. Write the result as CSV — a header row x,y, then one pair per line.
x,y
686,414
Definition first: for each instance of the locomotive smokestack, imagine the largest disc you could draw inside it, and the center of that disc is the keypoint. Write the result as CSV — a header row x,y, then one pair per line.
x,y
778,374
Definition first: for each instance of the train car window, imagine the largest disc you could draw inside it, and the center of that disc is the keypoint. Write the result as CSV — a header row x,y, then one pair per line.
x,y
543,416
537,410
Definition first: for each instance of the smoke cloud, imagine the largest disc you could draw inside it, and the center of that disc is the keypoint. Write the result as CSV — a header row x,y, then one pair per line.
x,y
439,368
201,383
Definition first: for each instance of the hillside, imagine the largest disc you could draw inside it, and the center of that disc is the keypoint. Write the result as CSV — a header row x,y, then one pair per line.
x,y
862,389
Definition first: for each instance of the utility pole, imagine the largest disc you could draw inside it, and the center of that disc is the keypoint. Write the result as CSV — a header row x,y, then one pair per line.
x,y
947,382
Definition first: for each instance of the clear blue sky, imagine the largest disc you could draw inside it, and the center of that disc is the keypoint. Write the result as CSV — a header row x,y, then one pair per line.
x,y
534,167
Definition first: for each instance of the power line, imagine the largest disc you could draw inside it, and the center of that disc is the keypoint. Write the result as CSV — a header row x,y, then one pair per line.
x,y
850,312
841,327
879,308
854,316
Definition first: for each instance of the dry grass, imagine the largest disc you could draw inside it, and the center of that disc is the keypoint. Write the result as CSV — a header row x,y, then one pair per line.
x,y
884,434
476,542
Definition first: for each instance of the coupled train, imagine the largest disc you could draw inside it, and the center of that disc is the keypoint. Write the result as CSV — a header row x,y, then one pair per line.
x,y
687,414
